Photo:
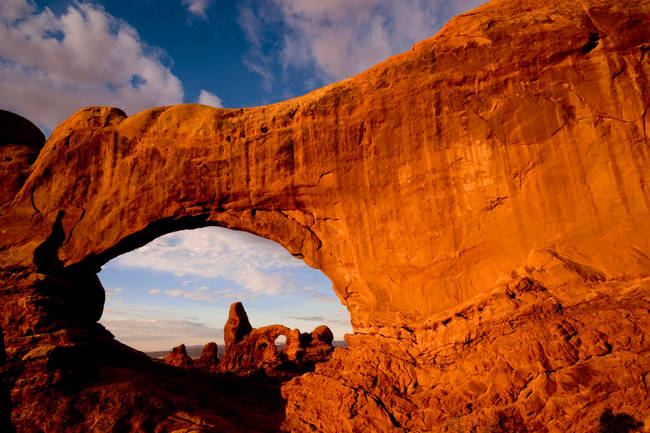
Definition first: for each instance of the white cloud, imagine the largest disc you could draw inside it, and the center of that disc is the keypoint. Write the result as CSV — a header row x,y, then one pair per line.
x,y
11,10
113,290
326,299
209,98
254,265
324,320
340,38
198,7
255,59
52,65
154,334
207,294
154,291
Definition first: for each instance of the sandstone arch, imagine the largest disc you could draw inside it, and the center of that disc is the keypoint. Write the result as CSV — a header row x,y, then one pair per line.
x,y
321,174
484,193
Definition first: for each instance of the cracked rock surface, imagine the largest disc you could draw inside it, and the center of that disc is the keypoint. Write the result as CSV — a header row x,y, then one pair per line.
x,y
481,204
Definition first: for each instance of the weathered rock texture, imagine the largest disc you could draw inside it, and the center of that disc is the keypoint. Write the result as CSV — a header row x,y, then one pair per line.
x,y
250,350
237,326
209,359
178,357
481,204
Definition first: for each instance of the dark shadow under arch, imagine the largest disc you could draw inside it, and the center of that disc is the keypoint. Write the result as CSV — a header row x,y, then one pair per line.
x,y
5,390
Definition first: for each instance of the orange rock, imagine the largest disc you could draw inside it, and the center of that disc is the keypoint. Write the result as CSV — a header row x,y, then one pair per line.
x,y
209,358
322,334
256,350
237,326
480,203
178,357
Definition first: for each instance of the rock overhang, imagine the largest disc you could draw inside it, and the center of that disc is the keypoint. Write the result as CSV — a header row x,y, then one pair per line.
x,y
414,186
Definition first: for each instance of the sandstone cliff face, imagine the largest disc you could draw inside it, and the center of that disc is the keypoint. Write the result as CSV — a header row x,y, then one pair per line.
x,y
480,203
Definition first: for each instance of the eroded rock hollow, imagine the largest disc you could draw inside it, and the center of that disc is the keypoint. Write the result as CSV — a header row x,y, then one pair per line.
x,y
481,204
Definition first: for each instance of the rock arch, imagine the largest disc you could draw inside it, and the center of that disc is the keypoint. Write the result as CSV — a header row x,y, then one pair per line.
x,y
492,178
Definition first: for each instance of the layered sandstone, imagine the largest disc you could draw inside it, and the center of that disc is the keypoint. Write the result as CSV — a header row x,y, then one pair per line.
x,y
480,203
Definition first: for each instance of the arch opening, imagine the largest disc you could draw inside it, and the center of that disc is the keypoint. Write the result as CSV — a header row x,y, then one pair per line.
x,y
280,342
177,290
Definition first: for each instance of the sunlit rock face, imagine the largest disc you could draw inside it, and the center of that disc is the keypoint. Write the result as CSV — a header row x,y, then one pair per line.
x,y
480,203
237,326
253,350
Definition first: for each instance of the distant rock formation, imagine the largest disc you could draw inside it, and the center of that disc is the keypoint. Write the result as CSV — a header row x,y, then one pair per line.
x,y
237,325
209,359
178,357
250,350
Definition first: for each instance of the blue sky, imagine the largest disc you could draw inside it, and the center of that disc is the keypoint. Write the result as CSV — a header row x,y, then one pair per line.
x,y
59,56
179,287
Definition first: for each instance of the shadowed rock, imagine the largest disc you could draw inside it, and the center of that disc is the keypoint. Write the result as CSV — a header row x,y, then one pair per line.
x,y
5,397
618,423
178,357
20,143
323,335
15,129
209,358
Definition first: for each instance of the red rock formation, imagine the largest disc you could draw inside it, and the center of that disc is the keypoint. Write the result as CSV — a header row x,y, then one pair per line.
x,y
480,203
237,326
317,345
178,357
256,350
209,358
